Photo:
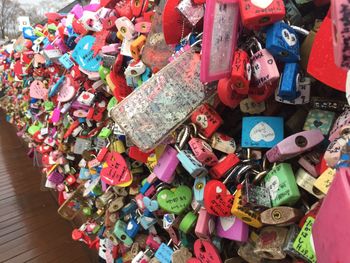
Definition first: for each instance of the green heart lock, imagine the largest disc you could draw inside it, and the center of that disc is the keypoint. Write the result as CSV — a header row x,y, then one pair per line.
x,y
175,200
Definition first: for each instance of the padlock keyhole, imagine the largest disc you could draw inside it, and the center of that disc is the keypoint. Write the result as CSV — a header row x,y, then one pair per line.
x,y
264,20
301,141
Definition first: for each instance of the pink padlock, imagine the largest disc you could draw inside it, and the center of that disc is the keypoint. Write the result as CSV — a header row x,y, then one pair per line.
x,y
203,152
264,68
232,228
153,242
166,165
294,145
205,225
341,32
126,27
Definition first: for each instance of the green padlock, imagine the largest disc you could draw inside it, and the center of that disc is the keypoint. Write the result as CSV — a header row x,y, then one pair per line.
x,y
103,71
49,105
175,200
280,181
34,128
119,232
105,132
112,102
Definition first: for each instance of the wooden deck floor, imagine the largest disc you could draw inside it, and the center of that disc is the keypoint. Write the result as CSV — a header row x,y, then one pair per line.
x,y
30,228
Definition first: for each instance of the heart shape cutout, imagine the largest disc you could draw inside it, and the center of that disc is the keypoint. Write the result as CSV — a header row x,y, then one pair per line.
x,y
217,199
117,172
323,68
67,91
175,200
37,90
151,205
262,3
289,38
262,132
227,222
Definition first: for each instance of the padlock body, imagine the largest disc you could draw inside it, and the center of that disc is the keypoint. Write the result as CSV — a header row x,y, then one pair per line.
x,y
241,72
288,83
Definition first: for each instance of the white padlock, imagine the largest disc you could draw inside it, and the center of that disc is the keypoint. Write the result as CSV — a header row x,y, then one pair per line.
x,y
126,27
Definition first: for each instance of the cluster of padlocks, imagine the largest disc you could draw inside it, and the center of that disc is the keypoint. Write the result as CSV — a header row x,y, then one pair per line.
x,y
191,131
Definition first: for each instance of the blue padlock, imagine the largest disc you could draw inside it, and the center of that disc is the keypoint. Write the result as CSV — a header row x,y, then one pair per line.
x,y
282,42
128,209
132,228
191,164
261,132
146,75
198,189
288,84
55,88
28,33
147,219
164,253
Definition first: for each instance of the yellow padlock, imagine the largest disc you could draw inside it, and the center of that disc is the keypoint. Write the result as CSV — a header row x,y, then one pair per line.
x,y
117,146
247,215
136,47
325,180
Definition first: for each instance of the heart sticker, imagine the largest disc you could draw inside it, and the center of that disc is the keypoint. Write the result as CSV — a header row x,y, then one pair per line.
x,y
151,205
272,185
262,3
206,251
175,200
37,90
117,172
227,222
262,132
84,55
289,38
217,199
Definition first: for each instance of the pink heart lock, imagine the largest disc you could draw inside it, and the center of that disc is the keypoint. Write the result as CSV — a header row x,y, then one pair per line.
x,y
37,90
67,91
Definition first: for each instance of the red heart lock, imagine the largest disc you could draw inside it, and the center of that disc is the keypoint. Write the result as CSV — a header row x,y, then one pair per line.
x,y
263,93
217,199
227,95
117,171
37,137
321,62
206,252
109,23
123,8
18,69
174,24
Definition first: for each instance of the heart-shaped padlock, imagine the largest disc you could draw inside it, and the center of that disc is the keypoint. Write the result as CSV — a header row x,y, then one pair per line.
x,y
175,200
217,199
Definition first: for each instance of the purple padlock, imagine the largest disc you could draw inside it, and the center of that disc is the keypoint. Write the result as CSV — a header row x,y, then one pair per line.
x,y
294,145
232,228
55,177
166,165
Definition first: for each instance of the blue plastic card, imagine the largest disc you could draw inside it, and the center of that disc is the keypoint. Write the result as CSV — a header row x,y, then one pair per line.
x,y
262,132
84,55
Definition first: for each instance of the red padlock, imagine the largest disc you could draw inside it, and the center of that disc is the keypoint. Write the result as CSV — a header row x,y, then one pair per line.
x,y
227,94
241,72
258,13
224,165
207,119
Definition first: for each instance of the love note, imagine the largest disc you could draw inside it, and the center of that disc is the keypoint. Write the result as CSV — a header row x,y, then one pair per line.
x,y
175,200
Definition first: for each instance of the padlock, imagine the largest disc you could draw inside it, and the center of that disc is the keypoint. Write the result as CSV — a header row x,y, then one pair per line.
x,y
205,225
262,132
224,165
198,189
136,47
324,181
203,152
241,72
223,143
264,68
125,27
294,145
188,222
283,43
302,244
135,68
232,228
341,35
282,185
310,161
247,215
256,14
319,119
255,197
248,105
281,216
289,81
164,253
227,94
165,168
207,120
306,182
119,232
270,242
